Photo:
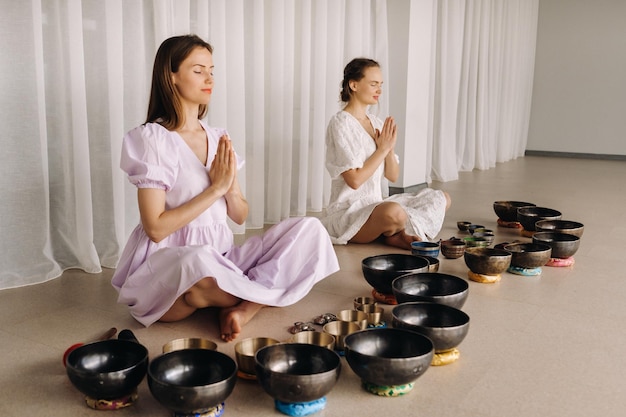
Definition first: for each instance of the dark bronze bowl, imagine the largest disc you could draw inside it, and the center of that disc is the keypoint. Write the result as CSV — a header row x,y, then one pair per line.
x,y
507,210
433,287
528,216
109,369
528,255
297,372
487,261
563,245
387,356
561,226
445,326
453,248
191,381
380,270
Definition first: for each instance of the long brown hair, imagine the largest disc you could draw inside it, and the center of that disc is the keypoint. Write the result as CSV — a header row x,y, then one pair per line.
x,y
165,105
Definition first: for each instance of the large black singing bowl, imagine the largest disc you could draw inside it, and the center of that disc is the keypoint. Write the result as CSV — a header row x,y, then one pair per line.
x,y
435,287
380,270
109,369
528,255
507,210
487,261
445,326
528,216
561,226
387,356
563,245
192,381
297,372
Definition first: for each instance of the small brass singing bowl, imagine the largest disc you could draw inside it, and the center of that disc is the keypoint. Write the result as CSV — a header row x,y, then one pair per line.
x,y
355,316
358,301
189,343
314,338
340,329
246,349
374,313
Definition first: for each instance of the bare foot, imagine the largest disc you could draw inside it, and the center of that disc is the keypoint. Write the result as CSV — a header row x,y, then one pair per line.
x,y
401,240
232,319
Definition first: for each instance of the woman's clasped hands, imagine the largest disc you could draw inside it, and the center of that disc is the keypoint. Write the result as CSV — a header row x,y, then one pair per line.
x,y
386,138
224,167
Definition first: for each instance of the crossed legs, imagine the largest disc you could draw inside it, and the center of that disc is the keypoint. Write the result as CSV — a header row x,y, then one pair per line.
x,y
234,312
387,223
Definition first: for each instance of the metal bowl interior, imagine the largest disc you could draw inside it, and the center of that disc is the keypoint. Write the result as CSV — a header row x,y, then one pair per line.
x,y
507,210
189,343
528,216
191,381
528,255
388,356
354,316
297,372
561,226
380,270
247,348
432,287
563,245
109,369
487,261
445,326
315,338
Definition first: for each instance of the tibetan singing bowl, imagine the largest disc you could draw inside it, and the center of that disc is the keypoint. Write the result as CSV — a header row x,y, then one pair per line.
x,y
528,216
388,356
445,326
528,255
432,287
453,248
380,270
315,338
108,369
297,372
563,245
190,381
487,261
561,226
189,343
246,349
507,210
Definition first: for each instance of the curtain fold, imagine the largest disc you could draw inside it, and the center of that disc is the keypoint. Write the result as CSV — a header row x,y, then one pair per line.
x,y
75,76
484,56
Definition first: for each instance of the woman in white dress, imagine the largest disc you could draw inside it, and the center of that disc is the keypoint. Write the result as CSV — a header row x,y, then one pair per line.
x,y
181,257
360,158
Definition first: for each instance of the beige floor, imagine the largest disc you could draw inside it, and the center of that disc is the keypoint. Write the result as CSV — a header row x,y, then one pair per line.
x,y
542,346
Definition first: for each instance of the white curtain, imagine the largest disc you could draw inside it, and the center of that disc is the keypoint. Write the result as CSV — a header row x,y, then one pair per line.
x,y
75,76
485,58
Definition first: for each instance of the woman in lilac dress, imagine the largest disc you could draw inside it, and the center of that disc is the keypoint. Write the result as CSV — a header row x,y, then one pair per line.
x,y
181,257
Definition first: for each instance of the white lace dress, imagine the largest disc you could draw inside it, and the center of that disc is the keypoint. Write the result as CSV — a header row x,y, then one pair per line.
x,y
348,145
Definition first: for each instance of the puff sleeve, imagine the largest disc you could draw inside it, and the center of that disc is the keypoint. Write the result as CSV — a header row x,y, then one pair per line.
x,y
150,157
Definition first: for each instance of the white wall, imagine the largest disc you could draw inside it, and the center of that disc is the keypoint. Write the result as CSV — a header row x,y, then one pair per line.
x,y
579,93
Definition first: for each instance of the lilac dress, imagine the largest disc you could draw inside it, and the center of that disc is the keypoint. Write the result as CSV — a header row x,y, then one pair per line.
x,y
277,268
